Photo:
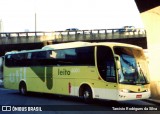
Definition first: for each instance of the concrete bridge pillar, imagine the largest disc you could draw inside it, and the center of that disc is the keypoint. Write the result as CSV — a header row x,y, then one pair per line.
x,y
150,14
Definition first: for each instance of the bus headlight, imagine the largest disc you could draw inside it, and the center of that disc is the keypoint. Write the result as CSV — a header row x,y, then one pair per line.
x,y
147,90
125,90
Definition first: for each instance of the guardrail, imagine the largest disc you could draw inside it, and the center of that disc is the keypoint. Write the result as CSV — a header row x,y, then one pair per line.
x,y
65,36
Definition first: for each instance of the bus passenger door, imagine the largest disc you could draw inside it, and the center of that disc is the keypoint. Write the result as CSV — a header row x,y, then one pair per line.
x,y
107,71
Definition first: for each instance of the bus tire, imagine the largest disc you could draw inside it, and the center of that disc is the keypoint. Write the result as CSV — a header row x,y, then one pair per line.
x,y
23,88
87,94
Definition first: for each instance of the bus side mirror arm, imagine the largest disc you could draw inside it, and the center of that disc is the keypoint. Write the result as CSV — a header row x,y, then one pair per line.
x,y
118,64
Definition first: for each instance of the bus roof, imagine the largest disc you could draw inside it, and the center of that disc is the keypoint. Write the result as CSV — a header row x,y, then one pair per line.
x,y
85,44
67,45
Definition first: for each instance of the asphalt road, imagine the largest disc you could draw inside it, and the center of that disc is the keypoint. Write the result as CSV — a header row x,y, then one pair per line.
x,y
55,104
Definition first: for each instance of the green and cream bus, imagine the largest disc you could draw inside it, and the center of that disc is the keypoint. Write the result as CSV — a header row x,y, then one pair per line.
x,y
113,71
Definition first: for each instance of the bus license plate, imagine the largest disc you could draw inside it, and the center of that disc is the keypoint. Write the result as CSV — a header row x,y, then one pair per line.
x,y
138,96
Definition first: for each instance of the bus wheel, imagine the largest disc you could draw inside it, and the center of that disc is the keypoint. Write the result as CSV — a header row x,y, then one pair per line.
x,y
22,88
87,94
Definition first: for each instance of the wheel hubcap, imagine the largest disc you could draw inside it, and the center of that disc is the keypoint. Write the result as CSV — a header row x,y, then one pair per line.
x,y
22,90
86,94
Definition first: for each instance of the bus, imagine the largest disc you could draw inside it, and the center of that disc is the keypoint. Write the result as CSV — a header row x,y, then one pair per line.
x,y
109,71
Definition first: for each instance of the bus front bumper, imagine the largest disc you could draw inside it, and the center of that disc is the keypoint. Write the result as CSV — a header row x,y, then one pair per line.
x,y
133,96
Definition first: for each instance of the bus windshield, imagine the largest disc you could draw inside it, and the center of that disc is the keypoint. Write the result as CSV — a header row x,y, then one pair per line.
x,y
134,69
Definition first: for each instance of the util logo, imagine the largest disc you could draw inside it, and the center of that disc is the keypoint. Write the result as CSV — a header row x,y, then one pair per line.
x,y
19,74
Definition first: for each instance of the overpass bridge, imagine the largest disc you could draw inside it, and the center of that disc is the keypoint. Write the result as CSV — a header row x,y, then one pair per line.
x,y
33,40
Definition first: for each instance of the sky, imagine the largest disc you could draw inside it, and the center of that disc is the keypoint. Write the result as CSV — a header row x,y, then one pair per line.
x,y
54,15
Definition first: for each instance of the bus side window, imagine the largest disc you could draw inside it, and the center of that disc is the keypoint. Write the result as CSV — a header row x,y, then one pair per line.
x,y
39,58
8,60
105,63
65,56
76,56
85,56
51,54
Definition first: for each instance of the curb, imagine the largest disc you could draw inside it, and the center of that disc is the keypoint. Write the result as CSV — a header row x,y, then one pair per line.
x,y
154,101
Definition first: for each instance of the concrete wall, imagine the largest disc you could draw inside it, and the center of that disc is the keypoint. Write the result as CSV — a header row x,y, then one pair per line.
x,y
151,20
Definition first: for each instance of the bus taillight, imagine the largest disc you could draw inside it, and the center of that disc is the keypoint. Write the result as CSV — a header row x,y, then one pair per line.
x,y
69,87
